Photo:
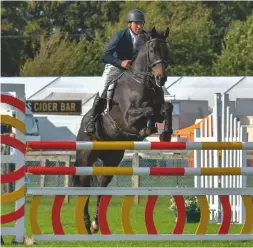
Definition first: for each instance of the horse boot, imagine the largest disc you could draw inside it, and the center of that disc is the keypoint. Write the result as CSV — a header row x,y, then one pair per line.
x,y
97,109
94,228
87,222
151,125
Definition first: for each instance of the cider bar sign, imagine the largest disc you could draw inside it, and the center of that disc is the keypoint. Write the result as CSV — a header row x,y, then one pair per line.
x,y
55,107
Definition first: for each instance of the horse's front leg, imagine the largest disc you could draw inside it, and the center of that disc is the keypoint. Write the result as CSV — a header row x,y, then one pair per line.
x,y
138,113
150,128
167,114
144,112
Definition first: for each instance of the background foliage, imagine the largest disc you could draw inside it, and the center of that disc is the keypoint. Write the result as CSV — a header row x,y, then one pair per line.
x,y
41,38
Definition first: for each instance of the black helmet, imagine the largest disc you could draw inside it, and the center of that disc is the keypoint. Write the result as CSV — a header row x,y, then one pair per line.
x,y
135,15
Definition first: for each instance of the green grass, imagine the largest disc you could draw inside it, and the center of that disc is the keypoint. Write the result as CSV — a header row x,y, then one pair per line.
x,y
163,217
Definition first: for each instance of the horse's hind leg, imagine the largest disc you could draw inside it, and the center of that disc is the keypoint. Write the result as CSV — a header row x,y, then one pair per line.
x,y
85,158
109,158
86,183
104,181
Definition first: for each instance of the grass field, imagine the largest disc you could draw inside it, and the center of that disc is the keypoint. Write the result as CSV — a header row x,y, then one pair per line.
x,y
164,220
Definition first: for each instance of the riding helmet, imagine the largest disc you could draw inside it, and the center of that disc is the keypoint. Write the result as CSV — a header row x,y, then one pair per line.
x,y
135,15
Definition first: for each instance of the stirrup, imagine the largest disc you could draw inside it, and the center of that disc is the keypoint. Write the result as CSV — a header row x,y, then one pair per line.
x,y
91,132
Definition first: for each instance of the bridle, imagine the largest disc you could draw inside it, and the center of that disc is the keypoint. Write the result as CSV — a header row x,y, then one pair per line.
x,y
159,61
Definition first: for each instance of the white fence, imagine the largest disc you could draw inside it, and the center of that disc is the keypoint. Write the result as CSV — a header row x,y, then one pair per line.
x,y
221,125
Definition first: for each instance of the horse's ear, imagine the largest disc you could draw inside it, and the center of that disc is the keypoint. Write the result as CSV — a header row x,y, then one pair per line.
x,y
153,32
167,32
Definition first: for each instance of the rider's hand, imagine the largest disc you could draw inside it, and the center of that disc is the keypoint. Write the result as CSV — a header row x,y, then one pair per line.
x,y
126,63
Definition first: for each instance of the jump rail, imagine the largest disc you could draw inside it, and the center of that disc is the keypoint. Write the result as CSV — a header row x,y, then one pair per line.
x,y
138,145
153,171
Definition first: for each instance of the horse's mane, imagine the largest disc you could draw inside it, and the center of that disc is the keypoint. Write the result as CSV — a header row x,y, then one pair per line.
x,y
146,36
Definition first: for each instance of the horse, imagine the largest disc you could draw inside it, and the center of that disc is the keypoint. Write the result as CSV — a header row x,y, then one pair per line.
x,y
136,105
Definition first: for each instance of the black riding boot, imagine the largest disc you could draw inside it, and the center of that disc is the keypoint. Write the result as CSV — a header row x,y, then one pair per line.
x,y
97,109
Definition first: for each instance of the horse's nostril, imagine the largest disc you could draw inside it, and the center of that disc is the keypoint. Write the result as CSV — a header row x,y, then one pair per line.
x,y
159,73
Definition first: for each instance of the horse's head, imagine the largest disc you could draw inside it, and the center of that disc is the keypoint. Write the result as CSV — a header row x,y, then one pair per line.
x,y
153,45
157,55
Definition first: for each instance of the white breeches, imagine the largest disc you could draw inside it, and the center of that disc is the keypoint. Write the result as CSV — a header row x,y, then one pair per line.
x,y
111,72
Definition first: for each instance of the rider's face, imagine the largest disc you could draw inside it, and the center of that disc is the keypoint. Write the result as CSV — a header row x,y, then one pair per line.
x,y
136,27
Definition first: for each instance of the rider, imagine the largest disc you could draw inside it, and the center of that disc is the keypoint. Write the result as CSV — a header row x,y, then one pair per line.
x,y
117,57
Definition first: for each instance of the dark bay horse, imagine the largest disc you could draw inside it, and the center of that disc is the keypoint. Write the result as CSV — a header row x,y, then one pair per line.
x,y
137,103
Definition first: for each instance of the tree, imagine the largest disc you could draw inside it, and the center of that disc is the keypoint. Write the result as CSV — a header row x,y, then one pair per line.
x,y
191,52
58,56
13,23
236,57
223,14
24,24
78,19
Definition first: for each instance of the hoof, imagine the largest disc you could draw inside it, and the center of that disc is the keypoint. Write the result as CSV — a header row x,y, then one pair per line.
x,y
29,241
88,227
165,136
94,227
